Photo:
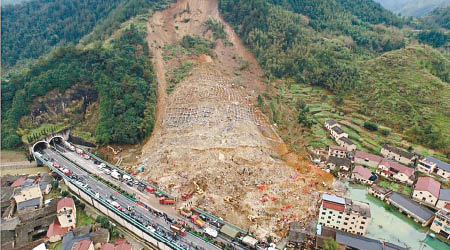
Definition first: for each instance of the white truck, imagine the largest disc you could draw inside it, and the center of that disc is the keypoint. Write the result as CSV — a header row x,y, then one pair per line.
x,y
250,241
69,146
211,232
115,175
126,177
106,171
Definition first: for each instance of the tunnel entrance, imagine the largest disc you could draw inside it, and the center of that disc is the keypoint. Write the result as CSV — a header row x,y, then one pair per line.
x,y
39,146
57,140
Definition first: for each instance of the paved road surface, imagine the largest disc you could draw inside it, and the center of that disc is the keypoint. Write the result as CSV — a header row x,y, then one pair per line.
x,y
158,222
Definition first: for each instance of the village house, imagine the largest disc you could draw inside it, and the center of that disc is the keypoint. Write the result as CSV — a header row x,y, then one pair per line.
x,y
379,191
55,232
441,224
67,212
329,124
337,151
28,197
431,165
396,171
366,159
344,214
342,164
362,175
426,190
299,238
412,209
337,133
346,143
444,200
399,155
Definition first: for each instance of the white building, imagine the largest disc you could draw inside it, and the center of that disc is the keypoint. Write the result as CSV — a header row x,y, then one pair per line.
x,y
337,151
426,190
366,159
441,224
67,213
346,143
329,124
362,175
337,133
344,214
431,165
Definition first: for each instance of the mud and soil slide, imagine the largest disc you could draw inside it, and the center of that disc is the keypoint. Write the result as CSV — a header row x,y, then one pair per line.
x,y
209,130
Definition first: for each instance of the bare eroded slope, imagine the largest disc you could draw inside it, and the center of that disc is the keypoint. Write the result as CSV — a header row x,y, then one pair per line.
x,y
210,132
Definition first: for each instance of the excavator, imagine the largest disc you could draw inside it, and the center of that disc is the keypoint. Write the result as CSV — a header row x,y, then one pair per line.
x,y
197,190
115,152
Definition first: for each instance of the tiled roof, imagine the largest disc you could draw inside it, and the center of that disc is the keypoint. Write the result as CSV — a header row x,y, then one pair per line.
x,y
363,172
123,246
65,202
428,184
107,246
397,151
397,166
334,206
339,161
338,130
440,164
371,157
18,182
56,229
358,242
82,245
444,194
331,122
390,246
413,207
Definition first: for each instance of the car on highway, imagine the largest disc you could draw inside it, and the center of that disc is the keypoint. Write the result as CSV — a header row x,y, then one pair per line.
x,y
112,197
106,171
151,229
130,183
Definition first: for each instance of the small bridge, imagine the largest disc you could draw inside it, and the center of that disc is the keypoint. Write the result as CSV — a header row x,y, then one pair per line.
x,y
59,137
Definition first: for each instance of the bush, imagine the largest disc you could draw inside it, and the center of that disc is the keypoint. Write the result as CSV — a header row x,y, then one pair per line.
x,y
385,131
371,126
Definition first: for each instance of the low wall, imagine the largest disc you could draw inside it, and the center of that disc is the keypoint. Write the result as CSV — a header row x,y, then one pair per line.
x,y
17,165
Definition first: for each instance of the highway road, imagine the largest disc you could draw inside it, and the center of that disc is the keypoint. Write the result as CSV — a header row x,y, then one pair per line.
x,y
149,199
156,220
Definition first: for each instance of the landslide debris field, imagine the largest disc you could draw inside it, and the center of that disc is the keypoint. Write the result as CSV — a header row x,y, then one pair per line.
x,y
210,132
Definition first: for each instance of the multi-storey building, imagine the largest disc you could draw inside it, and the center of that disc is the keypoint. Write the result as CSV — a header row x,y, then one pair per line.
x,y
337,151
431,165
426,190
396,171
399,155
344,214
441,223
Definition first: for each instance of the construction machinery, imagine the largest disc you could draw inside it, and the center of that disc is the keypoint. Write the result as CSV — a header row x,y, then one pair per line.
x,y
115,152
198,189
188,195
228,199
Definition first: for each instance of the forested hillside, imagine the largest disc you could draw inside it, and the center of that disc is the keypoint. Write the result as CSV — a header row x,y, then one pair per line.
x,y
440,17
117,69
412,7
357,50
32,28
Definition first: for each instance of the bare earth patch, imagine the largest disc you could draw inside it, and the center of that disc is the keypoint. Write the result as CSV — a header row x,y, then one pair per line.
x,y
209,131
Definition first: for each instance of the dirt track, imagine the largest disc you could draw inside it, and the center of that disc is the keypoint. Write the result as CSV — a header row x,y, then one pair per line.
x,y
208,130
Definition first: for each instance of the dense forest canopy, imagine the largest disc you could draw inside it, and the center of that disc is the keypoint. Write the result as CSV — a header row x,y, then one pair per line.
x,y
32,28
122,75
412,7
439,17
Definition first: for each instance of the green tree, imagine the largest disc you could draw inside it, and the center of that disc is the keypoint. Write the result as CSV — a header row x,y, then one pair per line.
x,y
330,244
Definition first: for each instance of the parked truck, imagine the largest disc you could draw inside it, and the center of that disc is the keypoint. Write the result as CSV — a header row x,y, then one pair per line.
x,y
178,229
197,221
166,201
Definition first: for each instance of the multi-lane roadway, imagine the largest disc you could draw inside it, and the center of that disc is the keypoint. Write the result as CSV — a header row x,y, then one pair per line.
x,y
156,216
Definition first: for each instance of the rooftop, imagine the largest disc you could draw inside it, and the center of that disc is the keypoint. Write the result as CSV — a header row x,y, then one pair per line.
x,y
28,193
333,198
333,147
358,242
440,164
56,229
444,194
338,130
428,184
364,155
331,122
18,182
346,141
65,202
359,207
363,172
380,189
107,246
397,166
390,246
339,161
412,206
397,151
443,214
82,244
